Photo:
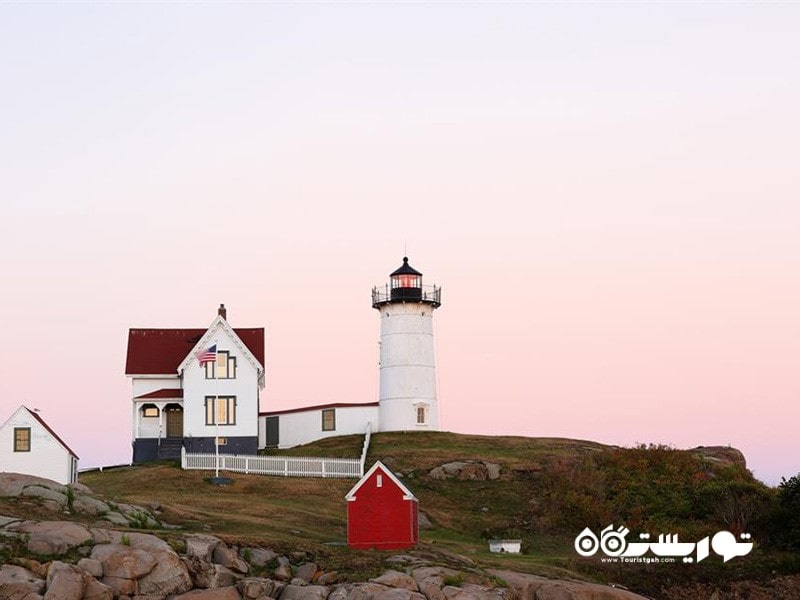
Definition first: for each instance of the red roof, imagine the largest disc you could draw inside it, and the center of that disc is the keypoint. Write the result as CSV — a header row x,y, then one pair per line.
x,y
160,351
162,393
317,407
53,433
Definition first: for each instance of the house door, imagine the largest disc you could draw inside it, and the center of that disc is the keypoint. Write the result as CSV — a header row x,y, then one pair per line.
x,y
174,414
272,432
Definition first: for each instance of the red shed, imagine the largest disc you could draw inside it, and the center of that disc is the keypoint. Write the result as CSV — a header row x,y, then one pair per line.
x,y
381,512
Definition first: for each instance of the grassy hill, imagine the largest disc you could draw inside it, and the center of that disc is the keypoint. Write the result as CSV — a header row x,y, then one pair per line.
x,y
547,492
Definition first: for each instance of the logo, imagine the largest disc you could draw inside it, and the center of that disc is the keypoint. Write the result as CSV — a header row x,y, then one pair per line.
x,y
667,549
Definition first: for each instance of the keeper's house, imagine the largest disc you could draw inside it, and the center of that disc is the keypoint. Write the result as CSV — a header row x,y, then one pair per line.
x,y
190,386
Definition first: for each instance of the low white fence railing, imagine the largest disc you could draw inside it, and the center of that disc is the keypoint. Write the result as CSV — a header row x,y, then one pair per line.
x,y
288,466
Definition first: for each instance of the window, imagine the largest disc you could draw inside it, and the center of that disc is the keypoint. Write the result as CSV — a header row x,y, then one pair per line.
x,y
221,441
329,419
379,480
421,415
22,439
225,412
225,366
149,410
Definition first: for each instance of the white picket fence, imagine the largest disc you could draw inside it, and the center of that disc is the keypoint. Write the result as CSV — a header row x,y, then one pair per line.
x,y
287,466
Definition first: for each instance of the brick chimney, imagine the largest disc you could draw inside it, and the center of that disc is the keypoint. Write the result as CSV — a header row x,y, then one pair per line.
x,y
222,312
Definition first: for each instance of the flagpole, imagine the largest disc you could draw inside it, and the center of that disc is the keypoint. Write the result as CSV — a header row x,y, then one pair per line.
x,y
216,409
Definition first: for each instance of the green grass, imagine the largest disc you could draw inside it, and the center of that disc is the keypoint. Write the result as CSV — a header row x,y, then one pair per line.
x,y
549,489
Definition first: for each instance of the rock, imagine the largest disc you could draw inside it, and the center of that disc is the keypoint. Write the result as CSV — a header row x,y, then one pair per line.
x,y
466,471
54,537
399,594
721,455
92,566
283,572
256,588
170,576
65,582
299,556
533,586
492,470
12,484
423,521
431,580
207,575
396,579
328,578
89,505
305,592
97,591
45,493
475,592
116,518
226,593
8,520
227,557
17,583
34,566
258,556
306,572
201,546
143,541
123,562
357,591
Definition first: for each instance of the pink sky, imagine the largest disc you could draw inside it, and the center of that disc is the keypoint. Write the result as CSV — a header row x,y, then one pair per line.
x,y
608,194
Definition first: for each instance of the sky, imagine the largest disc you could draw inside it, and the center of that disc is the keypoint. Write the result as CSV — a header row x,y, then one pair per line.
x,y
608,194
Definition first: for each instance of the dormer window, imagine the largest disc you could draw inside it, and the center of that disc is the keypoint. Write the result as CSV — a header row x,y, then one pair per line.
x,y
225,366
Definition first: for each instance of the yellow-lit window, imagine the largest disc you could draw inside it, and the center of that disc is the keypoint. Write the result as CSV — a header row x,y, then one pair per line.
x,y
224,366
221,412
22,439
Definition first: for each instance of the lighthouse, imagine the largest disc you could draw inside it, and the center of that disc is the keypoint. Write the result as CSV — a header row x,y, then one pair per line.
x,y
407,396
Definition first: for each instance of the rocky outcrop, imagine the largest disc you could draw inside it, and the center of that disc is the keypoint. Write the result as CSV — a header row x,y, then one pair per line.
x,y
541,588
76,499
113,565
470,470
724,456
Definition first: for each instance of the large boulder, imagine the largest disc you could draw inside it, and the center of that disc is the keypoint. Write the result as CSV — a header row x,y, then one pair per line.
x,y
12,484
305,592
471,470
17,583
396,579
541,588
53,537
226,593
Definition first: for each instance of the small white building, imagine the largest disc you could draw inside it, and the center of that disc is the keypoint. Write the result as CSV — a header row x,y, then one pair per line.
x,y
293,427
28,445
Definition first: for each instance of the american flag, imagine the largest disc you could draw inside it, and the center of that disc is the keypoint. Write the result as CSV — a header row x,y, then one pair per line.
x,y
209,355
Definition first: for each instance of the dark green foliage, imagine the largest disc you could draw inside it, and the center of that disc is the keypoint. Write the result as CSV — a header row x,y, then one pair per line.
x,y
785,518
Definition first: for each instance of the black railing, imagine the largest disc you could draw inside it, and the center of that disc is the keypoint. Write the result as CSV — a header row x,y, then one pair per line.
x,y
431,294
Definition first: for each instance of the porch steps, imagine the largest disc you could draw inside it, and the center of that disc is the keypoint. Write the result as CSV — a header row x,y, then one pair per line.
x,y
170,449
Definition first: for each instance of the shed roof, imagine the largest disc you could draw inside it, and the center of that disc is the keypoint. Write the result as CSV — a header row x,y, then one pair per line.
x,y
407,494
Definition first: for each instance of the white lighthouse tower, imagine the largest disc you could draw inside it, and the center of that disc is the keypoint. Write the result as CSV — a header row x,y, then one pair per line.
x,y
407,398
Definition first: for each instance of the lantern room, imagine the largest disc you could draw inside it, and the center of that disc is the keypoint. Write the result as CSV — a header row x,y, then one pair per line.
x,y
405,285
406,282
